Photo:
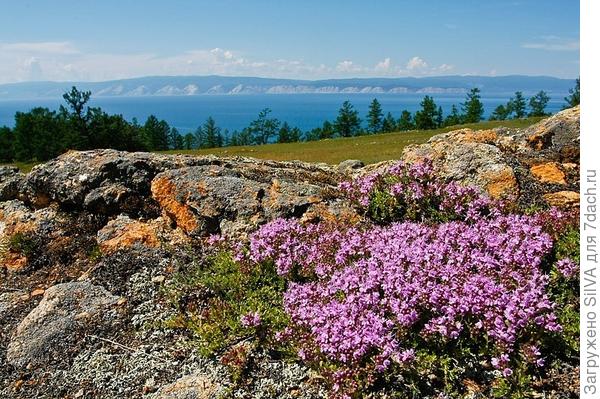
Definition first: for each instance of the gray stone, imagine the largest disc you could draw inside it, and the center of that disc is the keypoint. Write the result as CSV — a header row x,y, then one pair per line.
x,y
49,331
350,165
10,182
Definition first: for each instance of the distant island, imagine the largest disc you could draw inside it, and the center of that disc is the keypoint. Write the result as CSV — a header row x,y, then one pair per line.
x,y
228,85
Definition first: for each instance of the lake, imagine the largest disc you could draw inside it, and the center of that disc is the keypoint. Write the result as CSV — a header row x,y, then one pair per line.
x,y
235,112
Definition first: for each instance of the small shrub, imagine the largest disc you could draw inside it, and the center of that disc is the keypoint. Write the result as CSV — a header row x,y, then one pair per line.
x,y
217,299
23,244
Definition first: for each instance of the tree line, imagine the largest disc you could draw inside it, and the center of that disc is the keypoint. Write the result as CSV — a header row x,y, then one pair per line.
x,y
41,134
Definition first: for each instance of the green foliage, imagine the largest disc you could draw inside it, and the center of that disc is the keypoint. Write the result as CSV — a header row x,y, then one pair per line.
x,y
538,104
573,98
209,135
473,107
454,118
347,123
39,135
263,128
7,138
565,293
284,133
176,140
156,133
501,113
429,115
23,244
229,290
375,117
405,122
389,123
517,105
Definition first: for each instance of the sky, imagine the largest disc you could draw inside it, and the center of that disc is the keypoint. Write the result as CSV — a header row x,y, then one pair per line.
x,y
84,40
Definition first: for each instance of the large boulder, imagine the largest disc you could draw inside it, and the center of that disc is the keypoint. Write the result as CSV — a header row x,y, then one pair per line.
x,y
239,195
471,163
101,181
53,327
534,165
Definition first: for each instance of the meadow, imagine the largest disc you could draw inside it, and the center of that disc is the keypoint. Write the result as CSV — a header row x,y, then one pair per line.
x,y
368,148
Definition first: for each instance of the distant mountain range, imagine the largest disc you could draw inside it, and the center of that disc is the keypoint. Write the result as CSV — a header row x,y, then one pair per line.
x,y
213,85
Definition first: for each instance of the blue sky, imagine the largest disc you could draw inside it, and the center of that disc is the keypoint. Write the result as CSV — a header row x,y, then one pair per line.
x,y
100,40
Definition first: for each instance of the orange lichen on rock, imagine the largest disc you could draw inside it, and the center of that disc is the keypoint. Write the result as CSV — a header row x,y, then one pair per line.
x,y
164,191
134,233
563,199
474,136
502,183
549,172
13,262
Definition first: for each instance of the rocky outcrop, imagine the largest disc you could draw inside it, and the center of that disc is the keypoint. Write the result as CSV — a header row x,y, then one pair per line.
x,y
530,165
234,200
101,181
52,327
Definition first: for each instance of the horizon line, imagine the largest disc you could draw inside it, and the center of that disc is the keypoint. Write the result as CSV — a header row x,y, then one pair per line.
x,y
296,79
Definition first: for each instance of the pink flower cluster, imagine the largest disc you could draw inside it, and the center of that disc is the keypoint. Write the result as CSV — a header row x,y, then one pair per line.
x,y
251,319
412,191
454,279
567,268
358,296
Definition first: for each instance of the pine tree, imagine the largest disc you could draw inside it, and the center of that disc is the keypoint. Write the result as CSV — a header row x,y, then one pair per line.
x,y
347,123
327,130
501,113
175,139
374,117
210,133
517,105
295,135
439,118
454,118
7,139
405,122
263,128
573,98
538,104
427,117
156,134
389,123
189,141
284,133
472,107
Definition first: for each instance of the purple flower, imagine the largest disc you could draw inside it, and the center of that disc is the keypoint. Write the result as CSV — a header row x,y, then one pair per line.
x,y
251,319
567,268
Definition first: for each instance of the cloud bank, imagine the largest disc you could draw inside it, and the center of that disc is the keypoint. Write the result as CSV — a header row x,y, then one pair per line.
x,y
63,61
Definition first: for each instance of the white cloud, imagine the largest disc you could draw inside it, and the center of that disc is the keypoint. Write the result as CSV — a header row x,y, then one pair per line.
x,y
348,66
416,63
63,61
384,66
445,68
552,43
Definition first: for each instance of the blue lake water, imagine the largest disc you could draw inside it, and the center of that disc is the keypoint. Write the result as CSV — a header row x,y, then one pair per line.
x,y
232,112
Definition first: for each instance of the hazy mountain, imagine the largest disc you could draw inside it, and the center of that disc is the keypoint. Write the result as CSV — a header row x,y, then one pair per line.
x,y
212,85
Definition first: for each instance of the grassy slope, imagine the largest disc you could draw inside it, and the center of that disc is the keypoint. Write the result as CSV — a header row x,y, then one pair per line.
x,y
369,149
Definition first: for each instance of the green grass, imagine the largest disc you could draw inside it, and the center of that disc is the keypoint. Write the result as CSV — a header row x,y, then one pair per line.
x,y
24,167
369,149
